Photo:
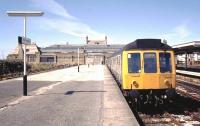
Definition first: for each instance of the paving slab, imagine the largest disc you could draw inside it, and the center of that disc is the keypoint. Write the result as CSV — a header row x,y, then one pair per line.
x,y
88,98
116,110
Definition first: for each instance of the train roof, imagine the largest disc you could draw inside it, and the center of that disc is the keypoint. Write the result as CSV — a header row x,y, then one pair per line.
x,y
144,44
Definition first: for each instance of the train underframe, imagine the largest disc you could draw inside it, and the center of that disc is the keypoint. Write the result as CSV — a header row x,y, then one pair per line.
x,y
153,97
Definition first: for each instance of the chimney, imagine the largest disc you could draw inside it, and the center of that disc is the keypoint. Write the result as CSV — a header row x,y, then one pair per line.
x,y
106,40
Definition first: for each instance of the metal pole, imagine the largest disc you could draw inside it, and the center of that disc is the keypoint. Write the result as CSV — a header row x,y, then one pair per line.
x,y
78,59
186,58
25,14
25,76
25,26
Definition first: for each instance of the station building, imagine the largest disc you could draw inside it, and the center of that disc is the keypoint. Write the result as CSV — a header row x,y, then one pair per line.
x,y
92,52
96,52
32,52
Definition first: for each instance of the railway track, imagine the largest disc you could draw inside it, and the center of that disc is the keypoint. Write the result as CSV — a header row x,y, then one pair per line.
x,y
168,119
182,111
188,90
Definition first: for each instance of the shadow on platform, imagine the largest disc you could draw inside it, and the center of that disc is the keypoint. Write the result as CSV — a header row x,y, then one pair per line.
x,y
71,92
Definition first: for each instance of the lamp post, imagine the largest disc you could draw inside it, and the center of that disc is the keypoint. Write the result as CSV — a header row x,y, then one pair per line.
x,y
78,53
78,59
25,14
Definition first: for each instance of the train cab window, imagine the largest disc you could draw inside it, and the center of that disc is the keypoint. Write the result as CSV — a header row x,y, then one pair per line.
x,y
165,62
134,64
150,63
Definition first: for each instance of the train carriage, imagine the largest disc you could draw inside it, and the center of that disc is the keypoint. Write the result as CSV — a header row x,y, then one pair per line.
x,y
145,70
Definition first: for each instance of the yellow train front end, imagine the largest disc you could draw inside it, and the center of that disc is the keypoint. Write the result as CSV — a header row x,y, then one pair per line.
x,y
149,76
148,69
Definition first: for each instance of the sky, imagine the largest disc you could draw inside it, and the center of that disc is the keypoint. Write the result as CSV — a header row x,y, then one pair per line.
x,y
122,21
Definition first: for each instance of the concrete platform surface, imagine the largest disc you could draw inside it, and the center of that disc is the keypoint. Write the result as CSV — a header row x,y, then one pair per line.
x,y
197,74
88,98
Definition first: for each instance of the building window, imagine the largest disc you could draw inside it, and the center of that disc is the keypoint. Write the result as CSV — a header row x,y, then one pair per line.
x,y
72,58
31,58
49,59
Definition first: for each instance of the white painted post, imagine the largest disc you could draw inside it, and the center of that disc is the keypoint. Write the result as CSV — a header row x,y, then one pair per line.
x,y
25,46
25,76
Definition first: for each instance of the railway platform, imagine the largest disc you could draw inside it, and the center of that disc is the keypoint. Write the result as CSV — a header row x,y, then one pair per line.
x,y
90,97
188,73
188,84
188,76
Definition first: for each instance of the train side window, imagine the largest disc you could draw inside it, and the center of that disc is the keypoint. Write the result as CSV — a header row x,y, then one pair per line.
x,y
165,62
150,63
134,64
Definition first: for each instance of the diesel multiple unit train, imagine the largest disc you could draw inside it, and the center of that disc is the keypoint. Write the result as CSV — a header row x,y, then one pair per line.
x,y
145,71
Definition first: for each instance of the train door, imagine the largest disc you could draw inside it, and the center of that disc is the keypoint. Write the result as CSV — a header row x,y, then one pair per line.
x,y
150,75
166,70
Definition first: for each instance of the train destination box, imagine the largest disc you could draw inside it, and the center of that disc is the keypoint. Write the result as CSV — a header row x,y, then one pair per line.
x,y
23,40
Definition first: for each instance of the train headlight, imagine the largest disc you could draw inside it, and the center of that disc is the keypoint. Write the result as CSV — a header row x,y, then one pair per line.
x,y
135,84
167,83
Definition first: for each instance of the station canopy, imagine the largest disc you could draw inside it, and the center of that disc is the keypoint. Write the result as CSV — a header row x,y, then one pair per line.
x,y
189,47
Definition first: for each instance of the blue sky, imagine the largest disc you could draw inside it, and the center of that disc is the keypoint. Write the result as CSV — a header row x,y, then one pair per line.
x,y
122,21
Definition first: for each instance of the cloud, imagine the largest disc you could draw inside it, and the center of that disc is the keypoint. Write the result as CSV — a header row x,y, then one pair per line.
x,y
52,7
62,20
178,33
74,28
182,31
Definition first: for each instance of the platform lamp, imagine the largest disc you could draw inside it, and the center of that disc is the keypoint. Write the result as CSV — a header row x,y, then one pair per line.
x,y
78,53
78,58
25,14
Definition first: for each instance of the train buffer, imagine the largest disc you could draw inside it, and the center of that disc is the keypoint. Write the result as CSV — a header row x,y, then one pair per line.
x,y
90,97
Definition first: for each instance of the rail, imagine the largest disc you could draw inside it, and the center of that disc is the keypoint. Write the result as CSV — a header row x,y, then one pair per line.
x,y
181,111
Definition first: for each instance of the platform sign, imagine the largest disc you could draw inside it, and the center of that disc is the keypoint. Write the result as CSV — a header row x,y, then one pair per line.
x,y
23,40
